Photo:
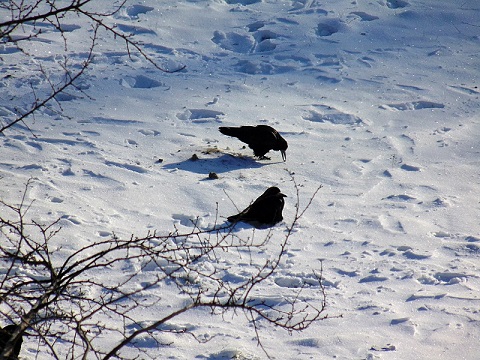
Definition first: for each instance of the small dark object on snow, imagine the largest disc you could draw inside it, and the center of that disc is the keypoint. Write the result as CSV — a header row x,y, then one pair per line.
x,y
265,210
194,157
261,139
5,334
213,176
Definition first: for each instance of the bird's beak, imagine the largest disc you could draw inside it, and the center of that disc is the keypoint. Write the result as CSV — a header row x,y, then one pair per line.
x,y
284,155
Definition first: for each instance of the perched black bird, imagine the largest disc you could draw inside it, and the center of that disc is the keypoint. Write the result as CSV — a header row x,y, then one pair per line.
x,y
5,334
266,210
260,138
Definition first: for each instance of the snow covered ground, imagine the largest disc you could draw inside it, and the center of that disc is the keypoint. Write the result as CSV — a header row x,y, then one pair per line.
x,y
379,102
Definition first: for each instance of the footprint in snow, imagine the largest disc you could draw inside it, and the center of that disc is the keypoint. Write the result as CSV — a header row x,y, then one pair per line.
x,y
256,26
366,61
262,67
329,27
407,167
200,115
364,16
71,219
327,114
140,82
397,4
258,41
129,167
466,90
414,105
233,41
242,2
135,30
307,7
100,120
263,40
189,220
134,10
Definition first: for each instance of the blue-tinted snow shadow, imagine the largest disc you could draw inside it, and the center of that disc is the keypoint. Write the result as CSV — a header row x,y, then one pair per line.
x,y
251,225
229,227
221,164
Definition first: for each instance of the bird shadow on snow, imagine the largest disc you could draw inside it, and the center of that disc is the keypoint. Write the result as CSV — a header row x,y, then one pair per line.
x,y
218,164
227,227
238,226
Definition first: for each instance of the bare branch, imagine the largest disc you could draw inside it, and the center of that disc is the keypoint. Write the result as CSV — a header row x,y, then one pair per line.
x,y
24,15
62,297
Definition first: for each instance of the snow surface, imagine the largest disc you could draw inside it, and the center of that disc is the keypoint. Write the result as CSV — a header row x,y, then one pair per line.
x,y
379,102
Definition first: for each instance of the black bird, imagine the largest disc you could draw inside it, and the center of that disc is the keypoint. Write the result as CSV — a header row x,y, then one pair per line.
x,y
266,210
260,138
5,335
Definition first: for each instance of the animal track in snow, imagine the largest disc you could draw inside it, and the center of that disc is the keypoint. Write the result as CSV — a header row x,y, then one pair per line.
x,y
400,198
131,142
147,132
407,167
414,105
100,120
341,119
366,61
66,142
298,59
307,7
134,10
287,21
450,277
258,41
329,27
397,4
242,2
261,67
135,30
348,273
403,144
50,27
5,49
232,41
200,115
130,167
256,25
409,87
391,224
373,278
331,61
308,342
416,255
140,82
289,282
160,49
466,90
72,219
189,220
263,39
292,280
332,115
364,16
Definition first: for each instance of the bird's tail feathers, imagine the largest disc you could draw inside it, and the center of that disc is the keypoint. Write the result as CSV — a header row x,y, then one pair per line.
x,y
234,218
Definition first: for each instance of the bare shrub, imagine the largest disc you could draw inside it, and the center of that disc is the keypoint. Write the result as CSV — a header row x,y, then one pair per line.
x,y
74,296
29,27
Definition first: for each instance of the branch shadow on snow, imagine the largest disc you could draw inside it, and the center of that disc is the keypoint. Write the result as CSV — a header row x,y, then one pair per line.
x,y
220,164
